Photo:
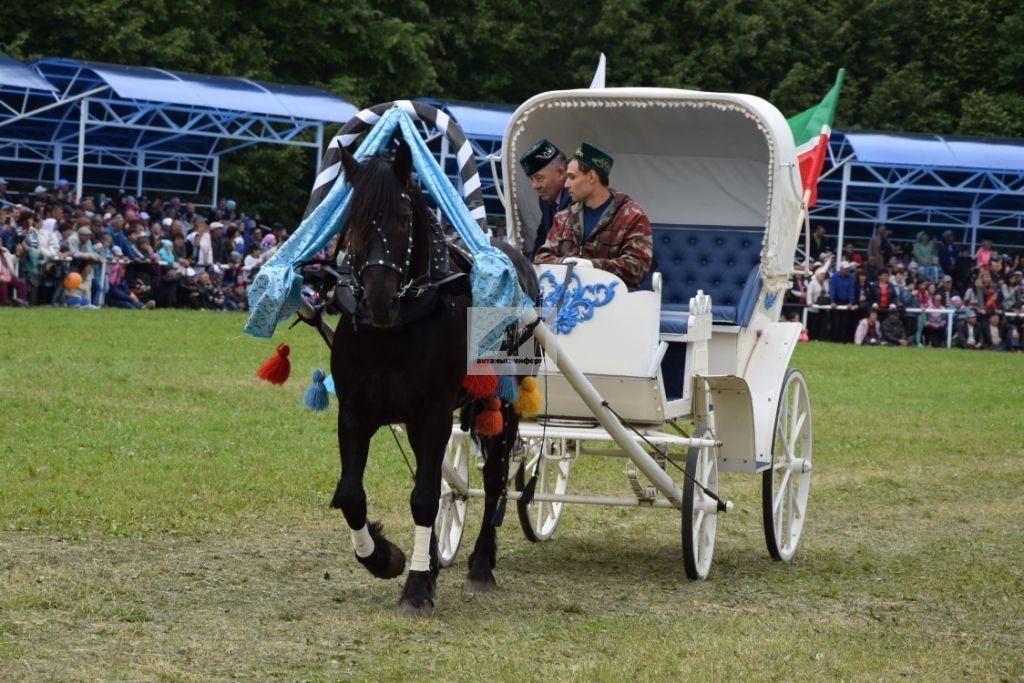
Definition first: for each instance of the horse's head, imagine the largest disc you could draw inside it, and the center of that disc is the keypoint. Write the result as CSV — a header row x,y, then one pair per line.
x,y
379,231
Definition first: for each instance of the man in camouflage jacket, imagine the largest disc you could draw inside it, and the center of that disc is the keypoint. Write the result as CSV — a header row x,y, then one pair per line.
x,y
602,228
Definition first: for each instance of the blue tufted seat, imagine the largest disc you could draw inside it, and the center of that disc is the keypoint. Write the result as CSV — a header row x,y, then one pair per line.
x,y
721,260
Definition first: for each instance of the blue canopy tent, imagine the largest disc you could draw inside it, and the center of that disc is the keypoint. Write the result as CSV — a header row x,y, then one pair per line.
x,y
142,128
972,186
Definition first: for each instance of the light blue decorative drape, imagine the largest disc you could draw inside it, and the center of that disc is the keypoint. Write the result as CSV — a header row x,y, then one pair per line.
x,y
276,292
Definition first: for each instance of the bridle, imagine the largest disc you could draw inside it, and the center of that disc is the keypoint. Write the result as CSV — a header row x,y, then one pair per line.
x,y
387,261
409,287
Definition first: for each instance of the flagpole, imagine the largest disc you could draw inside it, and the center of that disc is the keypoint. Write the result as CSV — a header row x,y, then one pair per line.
x,y
807,230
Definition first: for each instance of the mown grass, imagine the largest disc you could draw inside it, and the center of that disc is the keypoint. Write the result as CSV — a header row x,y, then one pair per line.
x,y
164,517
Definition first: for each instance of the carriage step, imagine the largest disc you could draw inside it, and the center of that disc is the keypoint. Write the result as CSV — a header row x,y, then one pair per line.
x,y
645,495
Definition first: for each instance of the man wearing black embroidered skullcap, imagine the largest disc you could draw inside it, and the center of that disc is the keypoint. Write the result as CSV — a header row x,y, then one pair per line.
x,y
545,166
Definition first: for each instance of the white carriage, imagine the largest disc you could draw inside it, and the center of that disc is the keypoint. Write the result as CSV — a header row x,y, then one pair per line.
x,y
717,175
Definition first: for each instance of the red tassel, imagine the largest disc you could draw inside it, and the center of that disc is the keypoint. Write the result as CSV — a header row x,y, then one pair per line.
x,y
276,368
490,421
481,386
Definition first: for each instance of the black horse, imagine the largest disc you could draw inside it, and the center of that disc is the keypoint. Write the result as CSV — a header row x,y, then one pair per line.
x,y
400,357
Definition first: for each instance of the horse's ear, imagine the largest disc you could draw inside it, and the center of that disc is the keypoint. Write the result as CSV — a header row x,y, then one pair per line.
x,y
349,163
403,162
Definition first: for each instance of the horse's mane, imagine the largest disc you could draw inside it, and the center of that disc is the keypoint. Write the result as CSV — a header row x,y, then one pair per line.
x,y
376,193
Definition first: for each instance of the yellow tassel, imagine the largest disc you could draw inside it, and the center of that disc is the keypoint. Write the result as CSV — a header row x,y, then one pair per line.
x,y
530,400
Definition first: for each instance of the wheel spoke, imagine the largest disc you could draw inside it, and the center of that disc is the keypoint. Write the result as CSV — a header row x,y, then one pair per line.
x,y
706,465
797,428
783,484
798,512
790,505
783,441
793,409
706,539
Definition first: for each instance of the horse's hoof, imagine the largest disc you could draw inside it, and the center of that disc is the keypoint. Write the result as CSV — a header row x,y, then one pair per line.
x,y
487,585
387,561
407,609
396,563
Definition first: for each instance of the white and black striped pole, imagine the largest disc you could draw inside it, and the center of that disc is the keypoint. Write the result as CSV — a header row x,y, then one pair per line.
x,y
330,166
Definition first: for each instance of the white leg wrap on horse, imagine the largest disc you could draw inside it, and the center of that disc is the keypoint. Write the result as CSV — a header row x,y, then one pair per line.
x,y
421,549
362,541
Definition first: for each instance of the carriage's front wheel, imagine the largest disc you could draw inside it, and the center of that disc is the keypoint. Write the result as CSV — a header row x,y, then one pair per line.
x,y
786,484
451,512
551,462
700,510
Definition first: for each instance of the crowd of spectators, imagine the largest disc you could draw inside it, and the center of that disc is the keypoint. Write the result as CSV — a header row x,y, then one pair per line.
x,y
128,252
909,294
153,252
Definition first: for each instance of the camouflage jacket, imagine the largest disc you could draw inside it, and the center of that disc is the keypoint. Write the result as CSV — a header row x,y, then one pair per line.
x,y
620,242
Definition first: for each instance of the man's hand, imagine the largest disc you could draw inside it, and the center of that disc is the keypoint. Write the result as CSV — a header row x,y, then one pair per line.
x,y
580,262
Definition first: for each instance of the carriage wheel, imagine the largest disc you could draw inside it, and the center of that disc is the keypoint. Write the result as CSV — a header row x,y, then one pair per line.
x,y
700,511
540,518
785,486
451,512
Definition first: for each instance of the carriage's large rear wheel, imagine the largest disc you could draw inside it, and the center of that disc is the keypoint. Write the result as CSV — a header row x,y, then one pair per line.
x,y
700,511
451,512
550,459
786,484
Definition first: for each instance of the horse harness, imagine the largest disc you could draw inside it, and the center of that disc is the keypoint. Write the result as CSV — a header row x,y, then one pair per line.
x,y
418,296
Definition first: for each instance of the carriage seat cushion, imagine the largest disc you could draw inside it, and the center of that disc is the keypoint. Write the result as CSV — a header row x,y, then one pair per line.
x,y
674,322
721,260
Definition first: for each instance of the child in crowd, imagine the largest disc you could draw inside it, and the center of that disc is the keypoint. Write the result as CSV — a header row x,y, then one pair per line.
x,y
78,295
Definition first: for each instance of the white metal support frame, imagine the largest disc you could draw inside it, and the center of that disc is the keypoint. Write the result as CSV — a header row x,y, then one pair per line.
x,y
77,118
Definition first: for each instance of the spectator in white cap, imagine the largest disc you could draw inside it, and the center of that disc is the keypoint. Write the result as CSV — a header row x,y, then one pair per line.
x,y
218,247
80,241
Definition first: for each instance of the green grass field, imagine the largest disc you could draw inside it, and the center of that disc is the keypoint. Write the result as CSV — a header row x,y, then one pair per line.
x,y
164,517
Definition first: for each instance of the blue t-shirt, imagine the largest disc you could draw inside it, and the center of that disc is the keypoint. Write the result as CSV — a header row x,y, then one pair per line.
x,y
592,216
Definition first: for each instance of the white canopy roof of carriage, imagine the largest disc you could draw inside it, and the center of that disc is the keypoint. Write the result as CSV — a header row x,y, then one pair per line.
x,y
687,157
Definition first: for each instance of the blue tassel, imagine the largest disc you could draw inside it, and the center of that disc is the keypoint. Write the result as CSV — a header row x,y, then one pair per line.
x,y
508,390
329,383
316,393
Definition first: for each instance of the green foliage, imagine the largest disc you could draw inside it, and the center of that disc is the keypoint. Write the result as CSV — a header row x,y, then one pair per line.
x,y
927,66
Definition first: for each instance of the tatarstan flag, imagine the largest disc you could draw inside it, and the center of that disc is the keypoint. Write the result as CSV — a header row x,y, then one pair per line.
x,y
811,129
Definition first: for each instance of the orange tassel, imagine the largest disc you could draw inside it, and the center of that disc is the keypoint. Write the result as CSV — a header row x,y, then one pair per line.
x,y
481,386
276,368
490,421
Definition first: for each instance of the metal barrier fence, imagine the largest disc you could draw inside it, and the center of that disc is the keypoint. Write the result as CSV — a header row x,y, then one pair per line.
x,y
948,312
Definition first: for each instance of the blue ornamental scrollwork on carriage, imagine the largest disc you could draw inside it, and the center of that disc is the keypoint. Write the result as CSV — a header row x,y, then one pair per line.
x,y
578,303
